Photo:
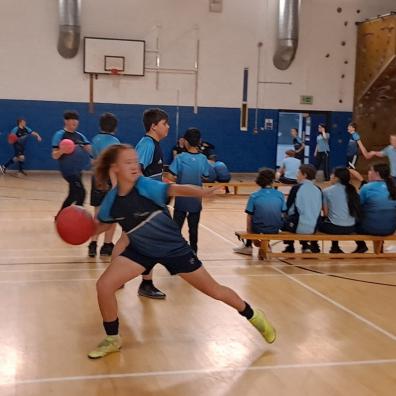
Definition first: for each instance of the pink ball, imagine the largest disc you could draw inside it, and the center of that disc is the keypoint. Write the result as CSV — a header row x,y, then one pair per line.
x,y
67,146
75,225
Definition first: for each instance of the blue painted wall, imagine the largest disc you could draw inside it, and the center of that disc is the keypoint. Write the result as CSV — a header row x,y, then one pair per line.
x,y
242,151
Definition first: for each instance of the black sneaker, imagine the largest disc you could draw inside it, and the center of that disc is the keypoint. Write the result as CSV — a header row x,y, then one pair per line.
x,y
361,249
289,249
336,249
107,249
150,291
314,247
22,172
92,249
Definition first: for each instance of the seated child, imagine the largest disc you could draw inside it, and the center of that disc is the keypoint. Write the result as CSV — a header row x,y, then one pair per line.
x,y
264,209
289,168
304,205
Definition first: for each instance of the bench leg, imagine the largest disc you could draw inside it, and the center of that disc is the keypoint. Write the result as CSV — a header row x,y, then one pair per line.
x,y
235,190
264,250
378,246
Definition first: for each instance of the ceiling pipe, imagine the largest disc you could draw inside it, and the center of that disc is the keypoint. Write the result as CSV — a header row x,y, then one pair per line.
x,y
287,36
69,27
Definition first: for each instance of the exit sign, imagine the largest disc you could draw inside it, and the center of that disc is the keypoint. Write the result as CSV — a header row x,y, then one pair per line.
x,y
306,99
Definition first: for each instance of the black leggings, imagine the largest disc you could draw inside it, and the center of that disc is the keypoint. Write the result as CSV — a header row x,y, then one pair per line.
x,y
329,228
322,160
76,191
193,222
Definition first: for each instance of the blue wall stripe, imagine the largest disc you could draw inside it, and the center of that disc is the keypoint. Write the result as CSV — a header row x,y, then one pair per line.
x,y
241,151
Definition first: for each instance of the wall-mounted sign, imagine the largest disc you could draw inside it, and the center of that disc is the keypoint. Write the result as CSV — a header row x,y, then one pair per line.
x,y
269,124
306,99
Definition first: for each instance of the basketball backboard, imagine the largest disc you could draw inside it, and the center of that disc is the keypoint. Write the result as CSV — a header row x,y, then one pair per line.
x,y
107,55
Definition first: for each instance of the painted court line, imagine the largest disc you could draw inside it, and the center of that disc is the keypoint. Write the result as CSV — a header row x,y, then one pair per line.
x,y
216,276
201,371
323,296
338,305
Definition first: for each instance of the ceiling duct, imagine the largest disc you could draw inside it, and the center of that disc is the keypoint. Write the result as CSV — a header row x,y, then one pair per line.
x,y
69,27
287,36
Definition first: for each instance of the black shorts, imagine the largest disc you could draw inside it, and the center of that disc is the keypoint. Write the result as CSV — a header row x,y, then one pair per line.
x,y
19,149
97,196
175,265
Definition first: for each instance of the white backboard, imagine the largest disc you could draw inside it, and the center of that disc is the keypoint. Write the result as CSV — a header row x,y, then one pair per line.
x,y
101,55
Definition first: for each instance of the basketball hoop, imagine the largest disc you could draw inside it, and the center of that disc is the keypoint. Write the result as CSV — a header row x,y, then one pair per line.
x,y
114,72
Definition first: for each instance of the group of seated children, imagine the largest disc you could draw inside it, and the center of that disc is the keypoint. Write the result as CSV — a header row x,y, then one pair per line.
x,y
338,209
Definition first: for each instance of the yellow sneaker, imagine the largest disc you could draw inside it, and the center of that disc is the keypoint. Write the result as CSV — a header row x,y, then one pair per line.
x,y
260,322
109,345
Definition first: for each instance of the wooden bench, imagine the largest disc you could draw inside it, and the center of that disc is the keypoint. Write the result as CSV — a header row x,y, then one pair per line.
x,y
265,253
237,185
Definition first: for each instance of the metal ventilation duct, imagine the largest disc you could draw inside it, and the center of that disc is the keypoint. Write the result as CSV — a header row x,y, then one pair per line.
x,y
287,38
69,27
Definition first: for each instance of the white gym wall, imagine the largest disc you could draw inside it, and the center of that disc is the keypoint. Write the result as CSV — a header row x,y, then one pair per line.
x,y
31,67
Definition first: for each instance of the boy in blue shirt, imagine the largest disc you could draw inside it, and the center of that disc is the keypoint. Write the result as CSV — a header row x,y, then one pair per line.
x,y
22,132
289,168
151,160
149,151
71,165
105,138
390,152
264,210
298,144
189,168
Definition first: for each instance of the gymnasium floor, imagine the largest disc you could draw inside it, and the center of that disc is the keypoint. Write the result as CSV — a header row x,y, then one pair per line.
x,y
336,336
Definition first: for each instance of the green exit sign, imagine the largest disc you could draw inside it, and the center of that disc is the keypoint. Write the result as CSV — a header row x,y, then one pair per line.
x,y
306,99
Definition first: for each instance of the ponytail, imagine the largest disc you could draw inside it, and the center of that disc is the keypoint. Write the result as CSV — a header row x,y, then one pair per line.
x,y
353,199
384,171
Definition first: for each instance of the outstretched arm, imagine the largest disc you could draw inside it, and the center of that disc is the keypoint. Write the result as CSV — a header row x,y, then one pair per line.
x,y
378,154
364,151
37,136
188,190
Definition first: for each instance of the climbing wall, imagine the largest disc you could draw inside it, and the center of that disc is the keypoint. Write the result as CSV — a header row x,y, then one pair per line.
x,y
375,82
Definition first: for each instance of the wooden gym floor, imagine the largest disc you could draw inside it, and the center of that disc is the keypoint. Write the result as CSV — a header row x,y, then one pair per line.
x,y
336,336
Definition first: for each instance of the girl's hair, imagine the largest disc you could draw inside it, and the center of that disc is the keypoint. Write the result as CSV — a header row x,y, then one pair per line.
x,y
352,196
265,177
323,126
353,125
384,172
103,163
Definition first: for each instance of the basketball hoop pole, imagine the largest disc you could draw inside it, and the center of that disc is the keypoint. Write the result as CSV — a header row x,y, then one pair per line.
x,y
91,94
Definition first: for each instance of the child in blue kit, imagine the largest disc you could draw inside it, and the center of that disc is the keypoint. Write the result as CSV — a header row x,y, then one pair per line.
x,y
189,168
72,165
22,132
138,204
264,210
104,139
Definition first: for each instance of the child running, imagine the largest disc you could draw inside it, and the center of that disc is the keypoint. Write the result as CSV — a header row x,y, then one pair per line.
x,y
105,138
22,132
71,165
138,204
189,168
